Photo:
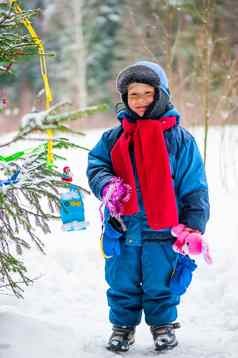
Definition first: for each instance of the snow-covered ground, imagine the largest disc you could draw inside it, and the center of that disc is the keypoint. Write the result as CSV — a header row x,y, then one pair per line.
x,y
64,314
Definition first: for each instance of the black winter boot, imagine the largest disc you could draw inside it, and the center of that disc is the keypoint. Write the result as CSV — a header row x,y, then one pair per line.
x,y
121,339
164,336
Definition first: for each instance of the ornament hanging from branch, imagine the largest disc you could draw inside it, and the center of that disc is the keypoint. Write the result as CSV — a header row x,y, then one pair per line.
x,y
71,204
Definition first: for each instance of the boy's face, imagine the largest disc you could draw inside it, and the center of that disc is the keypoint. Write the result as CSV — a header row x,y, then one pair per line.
x,y
140,96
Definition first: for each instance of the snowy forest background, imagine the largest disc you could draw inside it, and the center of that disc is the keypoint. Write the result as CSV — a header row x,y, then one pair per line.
x,y
88,42
64,311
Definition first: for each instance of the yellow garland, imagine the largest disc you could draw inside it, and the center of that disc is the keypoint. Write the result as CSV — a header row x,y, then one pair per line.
x,y
44,74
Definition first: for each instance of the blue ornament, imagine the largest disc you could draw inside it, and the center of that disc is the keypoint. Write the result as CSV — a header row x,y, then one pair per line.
x,y
13,178
72,209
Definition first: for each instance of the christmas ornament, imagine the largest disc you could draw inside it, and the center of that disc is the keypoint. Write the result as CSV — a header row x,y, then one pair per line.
x,y
9,175
71,204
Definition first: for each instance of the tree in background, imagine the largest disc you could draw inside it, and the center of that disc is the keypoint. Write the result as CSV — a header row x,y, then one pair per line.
x,y
103,19
213,62
153,30
183,35
82,35
22,78
110,35
64,34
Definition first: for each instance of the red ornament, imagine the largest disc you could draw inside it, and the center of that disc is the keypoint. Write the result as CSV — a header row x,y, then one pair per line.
x,y
67,175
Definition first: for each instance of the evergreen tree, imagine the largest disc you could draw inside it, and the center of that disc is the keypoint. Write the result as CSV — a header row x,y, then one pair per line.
x,y
22,77
93,34
64,32
102,21
27,179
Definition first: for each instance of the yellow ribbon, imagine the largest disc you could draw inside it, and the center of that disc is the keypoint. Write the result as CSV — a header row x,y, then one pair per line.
x,y
44,74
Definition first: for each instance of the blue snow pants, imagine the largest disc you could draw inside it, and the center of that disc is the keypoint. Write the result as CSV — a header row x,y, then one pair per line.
x,y
138,280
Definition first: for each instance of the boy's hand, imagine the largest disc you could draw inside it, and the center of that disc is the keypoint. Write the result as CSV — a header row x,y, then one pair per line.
x,y
114,195
190,242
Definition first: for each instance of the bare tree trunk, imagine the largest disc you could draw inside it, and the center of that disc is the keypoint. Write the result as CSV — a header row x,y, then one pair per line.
x,y
80,77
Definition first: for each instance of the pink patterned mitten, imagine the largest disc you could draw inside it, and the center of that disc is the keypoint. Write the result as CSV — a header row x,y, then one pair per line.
x,y
114,195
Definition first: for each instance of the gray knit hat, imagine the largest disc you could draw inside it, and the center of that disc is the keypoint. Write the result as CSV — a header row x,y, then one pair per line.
x,y
142,72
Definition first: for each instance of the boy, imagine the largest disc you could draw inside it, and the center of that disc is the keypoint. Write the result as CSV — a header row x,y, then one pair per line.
x,y
150,175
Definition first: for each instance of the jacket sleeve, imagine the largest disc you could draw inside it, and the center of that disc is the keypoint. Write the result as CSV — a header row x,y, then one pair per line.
x,y
99,170
191,187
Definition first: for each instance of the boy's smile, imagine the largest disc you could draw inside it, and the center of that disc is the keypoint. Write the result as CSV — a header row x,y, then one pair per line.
x,y
140,96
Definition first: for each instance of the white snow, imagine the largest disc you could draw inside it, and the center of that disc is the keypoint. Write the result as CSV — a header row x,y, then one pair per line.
x,y
64,313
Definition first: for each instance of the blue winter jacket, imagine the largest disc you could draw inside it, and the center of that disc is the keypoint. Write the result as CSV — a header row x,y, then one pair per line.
x,y
187,172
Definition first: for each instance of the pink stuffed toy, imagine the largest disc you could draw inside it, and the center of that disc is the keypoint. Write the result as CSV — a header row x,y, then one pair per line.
x,y
190,242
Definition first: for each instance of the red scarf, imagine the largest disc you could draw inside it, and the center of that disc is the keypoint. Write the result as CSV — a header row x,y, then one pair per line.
x,y
153,169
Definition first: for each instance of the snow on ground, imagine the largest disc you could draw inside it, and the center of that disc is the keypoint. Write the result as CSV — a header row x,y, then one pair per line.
x,y
64,314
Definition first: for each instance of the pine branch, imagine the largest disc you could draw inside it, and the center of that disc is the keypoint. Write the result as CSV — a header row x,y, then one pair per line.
x,y
42,121
22,200
13,43
22,209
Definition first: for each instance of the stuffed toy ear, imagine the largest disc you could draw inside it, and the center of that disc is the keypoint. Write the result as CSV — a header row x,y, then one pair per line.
x,y
206,253
177,230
